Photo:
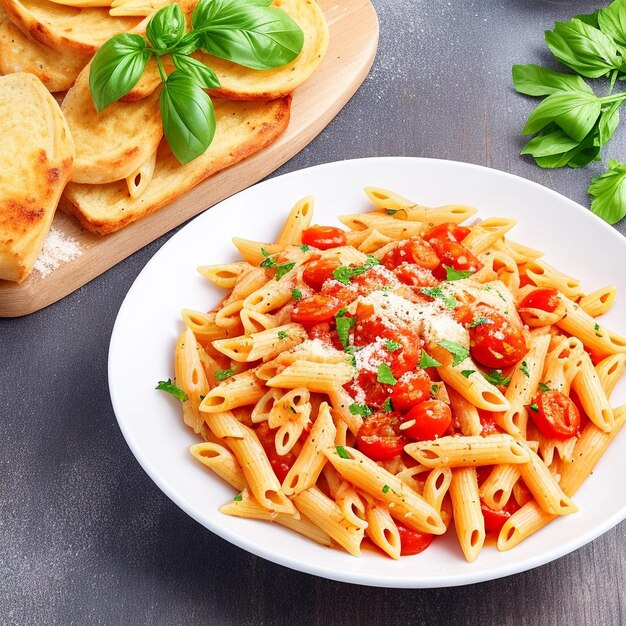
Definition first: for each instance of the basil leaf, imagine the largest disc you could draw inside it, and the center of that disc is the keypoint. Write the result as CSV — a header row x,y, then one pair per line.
x,y
589,18
385,376
169,387
166,27
612,21
574,112
224,374
549,143
360,409
189,43
453,274
458,351
201,73
534,80
609,191
608,122
344,324
495,377
583,48
116,67
188,117
342,452
250,34
427,361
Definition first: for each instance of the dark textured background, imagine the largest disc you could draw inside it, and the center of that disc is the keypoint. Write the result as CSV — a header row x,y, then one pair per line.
x,y
86,537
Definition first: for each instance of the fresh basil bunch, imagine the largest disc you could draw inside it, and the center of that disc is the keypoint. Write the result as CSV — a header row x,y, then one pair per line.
x,y
246,32
571,124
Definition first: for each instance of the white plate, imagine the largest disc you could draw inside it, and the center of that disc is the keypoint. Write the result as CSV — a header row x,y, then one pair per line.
x,y
142,344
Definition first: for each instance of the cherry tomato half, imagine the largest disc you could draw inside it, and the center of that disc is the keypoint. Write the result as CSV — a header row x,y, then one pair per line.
x,y
415,250
455,255
280,464
544,299
495,520
324,237
412,541
415,276
413,388
315,309
498,342
447,232
557,416
379,437
317,272
432,419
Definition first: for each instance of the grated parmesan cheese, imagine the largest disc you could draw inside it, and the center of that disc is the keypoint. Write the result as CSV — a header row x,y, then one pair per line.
x,y
57,248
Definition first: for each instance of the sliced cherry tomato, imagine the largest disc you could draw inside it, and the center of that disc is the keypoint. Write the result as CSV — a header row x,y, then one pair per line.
x,y
324,237
317,272
316,309
498,342
495,520
280,464
412,541
415,250
463,315
447,232
487,422
432,419
544,299
557,416
415,276
413,388
375,393
455,255
379,437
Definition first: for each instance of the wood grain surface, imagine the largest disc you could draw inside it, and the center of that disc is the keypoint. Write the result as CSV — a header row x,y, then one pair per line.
x,y
87,538
353,30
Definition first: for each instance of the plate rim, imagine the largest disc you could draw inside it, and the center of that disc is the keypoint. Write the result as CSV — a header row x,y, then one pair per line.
x,y
352,576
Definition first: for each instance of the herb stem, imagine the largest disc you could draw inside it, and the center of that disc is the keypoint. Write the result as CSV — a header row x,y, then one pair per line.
x,y
161,69
616,97
614,75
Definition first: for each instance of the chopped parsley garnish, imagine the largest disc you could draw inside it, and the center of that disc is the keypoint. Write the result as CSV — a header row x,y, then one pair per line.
x,y
452,274
386,488
343,273
392,211
385,376
392,345
467,373
524,369
296,294
351,350
344,324
238,497
479,322
387,405
177,392
304,248
496,378
282,334
224,374
434,390
281,268
438,292
341,451
458,351
360,409
534,407
543,387
428,361
596,327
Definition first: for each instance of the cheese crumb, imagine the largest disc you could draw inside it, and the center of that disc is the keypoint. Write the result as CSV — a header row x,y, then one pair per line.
x,y
57,248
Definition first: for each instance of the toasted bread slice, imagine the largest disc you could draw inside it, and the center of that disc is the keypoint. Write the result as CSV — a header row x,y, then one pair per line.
x,y
19,52
61,26
243,128
112,144
33,176
242,83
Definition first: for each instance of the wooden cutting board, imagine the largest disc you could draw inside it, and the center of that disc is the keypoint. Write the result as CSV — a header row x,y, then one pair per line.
x,y
353,41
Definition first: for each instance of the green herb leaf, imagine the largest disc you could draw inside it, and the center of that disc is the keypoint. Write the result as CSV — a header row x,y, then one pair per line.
x,y
534,80
386,488
452,274
385,376
392,211
296,294
304,247
543,387
116,67
534,407
201,73
169,387
609,193
583,48
549,143
524,369
479,322
187,115
458,351
238,497
343,274
283,269
224,374
342,452
496,378
608,123
282,334
467,373
574,112
344,324
427,361
351,350
387,405
166,27
438,292
612,21
392,345
360,409
248,33
434,390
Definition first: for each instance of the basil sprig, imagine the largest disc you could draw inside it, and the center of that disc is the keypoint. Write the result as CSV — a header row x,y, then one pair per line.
x,y
246,32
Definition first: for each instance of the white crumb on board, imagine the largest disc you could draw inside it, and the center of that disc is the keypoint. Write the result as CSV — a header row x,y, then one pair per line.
x,y
57,248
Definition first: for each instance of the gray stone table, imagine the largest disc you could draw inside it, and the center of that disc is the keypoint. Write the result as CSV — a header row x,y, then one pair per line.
x,y
86,537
